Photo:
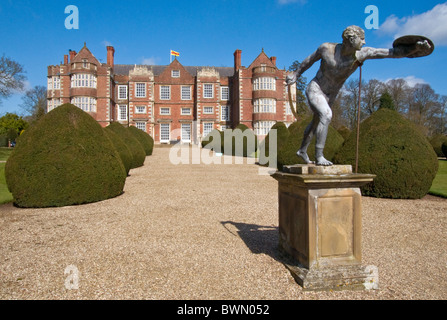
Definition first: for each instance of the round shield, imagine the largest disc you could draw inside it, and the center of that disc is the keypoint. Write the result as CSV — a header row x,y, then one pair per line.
x,y
408,43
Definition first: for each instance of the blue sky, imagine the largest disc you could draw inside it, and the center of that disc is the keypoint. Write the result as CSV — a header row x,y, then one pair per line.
x,y
206,33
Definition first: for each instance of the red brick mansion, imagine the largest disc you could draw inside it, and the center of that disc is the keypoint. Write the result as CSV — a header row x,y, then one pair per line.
x,y
172,102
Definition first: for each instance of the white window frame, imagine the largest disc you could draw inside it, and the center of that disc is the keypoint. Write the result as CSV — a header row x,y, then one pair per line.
x,y
87,104
165,92
122,92
206,131
138,109
163,134
208,90
186,132
208,108
83,80
122,112
264,105
264,83
175,73
185,111
140,90
224,93
186,92
262,128
141,125
163,111
225,115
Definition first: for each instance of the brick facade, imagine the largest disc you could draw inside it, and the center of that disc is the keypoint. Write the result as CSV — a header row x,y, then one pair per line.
x,y
173,102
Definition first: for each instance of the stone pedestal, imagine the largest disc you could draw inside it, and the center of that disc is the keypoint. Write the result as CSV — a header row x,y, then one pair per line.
x,y
320,227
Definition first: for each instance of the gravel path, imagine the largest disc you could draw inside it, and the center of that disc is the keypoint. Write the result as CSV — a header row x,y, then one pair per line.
x,y
204,232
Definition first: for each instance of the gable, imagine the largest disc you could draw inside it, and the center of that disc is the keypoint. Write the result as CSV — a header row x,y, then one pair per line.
x,y
86,54
262,58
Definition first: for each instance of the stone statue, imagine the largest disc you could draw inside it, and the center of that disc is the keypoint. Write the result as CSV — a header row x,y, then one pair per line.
x,y
338,62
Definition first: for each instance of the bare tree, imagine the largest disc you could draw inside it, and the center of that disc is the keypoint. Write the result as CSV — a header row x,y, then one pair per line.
x,y
423,107
371,94
12,77
34,102
400,93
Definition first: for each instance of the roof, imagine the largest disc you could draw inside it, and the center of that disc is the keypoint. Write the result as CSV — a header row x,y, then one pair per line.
x,y
157,70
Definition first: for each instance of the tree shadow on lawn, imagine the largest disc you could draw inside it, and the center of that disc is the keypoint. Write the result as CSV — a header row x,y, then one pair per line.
x,y
259,239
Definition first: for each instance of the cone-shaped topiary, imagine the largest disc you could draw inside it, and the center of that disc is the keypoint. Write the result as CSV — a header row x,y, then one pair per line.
x,y
64,159
393,149
287,153
437,141
282,134
146,140
135,147
121,147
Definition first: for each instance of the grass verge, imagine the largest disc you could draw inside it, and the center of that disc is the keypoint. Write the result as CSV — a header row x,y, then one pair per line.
x,y
439,186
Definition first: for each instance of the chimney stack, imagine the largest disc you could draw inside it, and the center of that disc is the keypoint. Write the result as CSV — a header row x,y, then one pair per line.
x,y
237,59
110,55
65,58
273,59
72,55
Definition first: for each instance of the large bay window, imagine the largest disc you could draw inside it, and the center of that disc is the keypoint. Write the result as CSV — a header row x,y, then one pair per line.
x,y
264,83
265,105
87,104
262,128
83,80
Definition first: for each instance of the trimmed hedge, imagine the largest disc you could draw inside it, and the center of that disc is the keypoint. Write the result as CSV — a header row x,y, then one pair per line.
x,y
344,132
146,140
121,147
135,147
392,148
64,159
287,153
436,142
282,134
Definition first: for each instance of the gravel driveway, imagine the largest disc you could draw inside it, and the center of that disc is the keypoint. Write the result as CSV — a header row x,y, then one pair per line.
x,y
204,232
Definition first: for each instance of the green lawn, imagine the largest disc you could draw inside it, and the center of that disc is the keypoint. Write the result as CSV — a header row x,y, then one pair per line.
x,y
5,195
439,187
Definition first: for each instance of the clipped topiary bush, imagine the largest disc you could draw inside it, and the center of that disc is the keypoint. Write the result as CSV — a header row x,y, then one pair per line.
x,y
393,149
244,142
64,159
135,147
210,143
287,153
146,140
344,132
121,147
436,142
282,134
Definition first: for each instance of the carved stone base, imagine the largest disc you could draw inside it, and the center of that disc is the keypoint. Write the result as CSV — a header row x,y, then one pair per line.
x,y
320,226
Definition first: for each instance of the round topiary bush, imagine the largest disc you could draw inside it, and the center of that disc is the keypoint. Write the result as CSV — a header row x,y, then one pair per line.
x,y
146,140
287,153
64,159
436,142
282,134
393,149
135,147
121,147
